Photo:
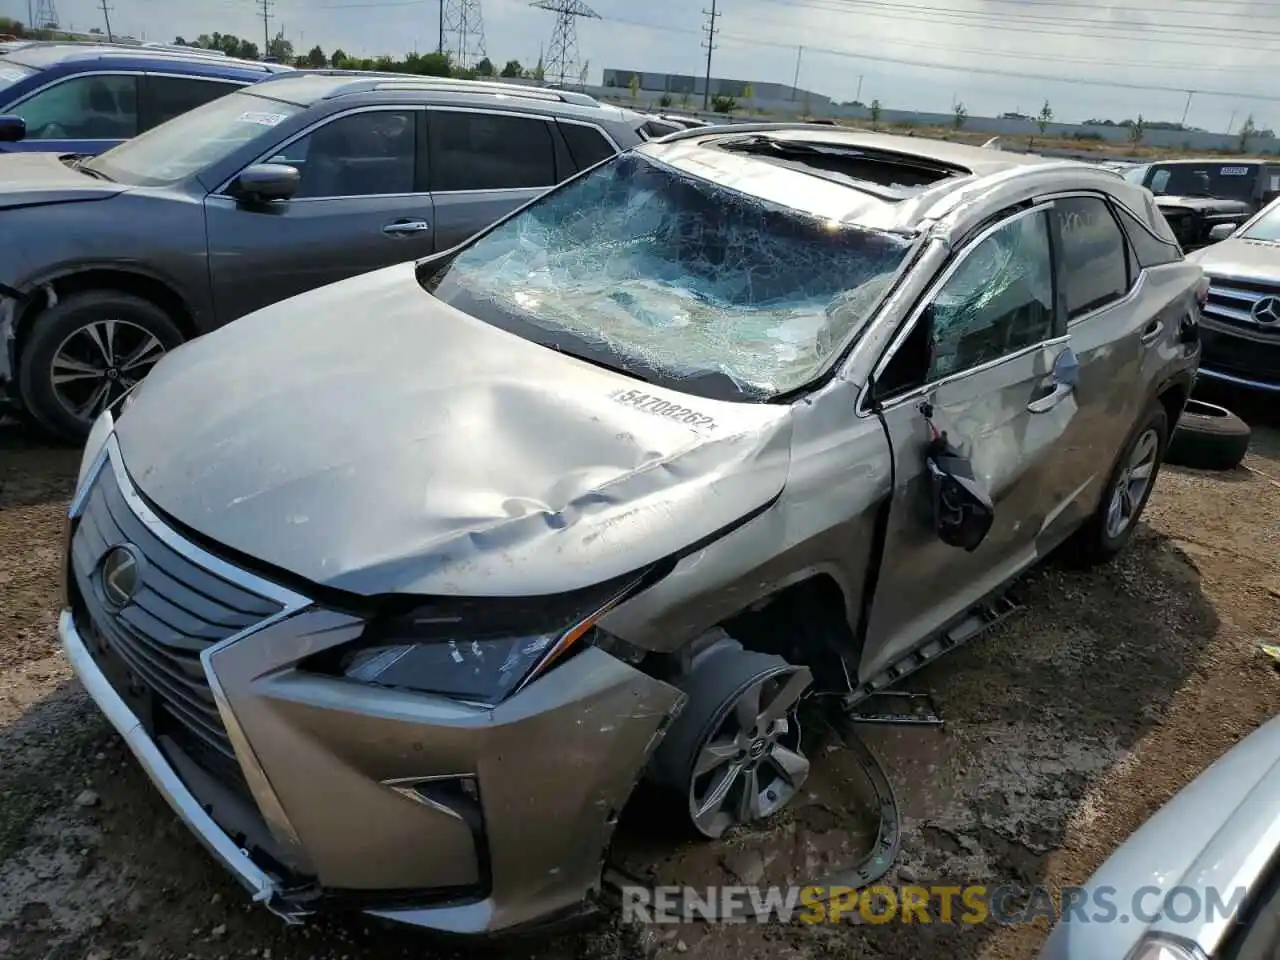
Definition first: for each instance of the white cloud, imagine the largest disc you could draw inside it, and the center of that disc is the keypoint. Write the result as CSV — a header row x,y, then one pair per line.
x,y
1045,46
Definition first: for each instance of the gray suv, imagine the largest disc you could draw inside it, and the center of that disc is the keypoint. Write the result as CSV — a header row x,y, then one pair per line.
x,y
399,587
301,180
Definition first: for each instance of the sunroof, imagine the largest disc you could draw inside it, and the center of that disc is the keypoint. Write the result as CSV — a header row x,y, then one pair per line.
x,y
885,173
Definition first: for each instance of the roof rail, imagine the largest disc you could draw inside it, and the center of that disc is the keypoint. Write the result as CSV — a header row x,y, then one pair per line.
x,y
175,55
725,129
364,81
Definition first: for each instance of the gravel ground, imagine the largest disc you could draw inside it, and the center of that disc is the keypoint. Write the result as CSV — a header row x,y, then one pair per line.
x,y
1067,726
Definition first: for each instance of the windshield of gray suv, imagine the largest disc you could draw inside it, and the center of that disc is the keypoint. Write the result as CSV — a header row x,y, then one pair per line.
x,y
192,141
672,278
11,73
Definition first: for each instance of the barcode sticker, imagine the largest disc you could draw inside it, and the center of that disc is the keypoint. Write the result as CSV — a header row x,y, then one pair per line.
x,y
262,119
1234,172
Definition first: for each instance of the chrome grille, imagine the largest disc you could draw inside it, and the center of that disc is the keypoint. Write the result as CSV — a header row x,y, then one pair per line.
x,y
1231,303
179,610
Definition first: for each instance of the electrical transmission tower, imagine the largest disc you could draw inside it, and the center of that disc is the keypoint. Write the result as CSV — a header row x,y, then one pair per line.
x,y
562,58
46,14
462,32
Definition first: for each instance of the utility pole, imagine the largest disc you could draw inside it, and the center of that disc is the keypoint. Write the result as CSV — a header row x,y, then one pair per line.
x,y
266,28
106,15
795,84
1232,122
858,96
710,44
1187,108
440,44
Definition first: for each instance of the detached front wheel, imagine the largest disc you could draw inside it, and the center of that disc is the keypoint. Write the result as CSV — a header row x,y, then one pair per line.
x,y
734,752
83,355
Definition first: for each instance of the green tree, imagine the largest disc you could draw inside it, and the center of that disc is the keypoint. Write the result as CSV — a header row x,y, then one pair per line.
x,y
12,27
1044,118
512,69
665,100
875,112
633,85
316,58
1248,130
539,72
959,114
339,59
723,104
1137,131
485,68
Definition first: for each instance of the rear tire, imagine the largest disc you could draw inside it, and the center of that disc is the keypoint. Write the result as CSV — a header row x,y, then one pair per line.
x,y
1128,488
82,355
1208,437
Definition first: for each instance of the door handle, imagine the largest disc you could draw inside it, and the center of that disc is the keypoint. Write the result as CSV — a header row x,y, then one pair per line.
x,y
1153,331
406,228
1051,399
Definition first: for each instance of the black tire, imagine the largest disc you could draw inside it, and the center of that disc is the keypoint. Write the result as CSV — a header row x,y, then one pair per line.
x,y
1093,543
1208,437
55,328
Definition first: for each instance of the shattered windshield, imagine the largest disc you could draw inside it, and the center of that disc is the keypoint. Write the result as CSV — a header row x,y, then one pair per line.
x,y
673,278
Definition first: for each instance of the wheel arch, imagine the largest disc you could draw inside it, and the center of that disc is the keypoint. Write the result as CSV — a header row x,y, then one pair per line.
x,y
131,280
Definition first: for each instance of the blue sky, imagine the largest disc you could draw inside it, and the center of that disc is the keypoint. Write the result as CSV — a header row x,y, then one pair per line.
x,y
1030,50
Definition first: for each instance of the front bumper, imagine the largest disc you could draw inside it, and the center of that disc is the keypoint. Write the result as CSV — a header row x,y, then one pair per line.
x,y
316,791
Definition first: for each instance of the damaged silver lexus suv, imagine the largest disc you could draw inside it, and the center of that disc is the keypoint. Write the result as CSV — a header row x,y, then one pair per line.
x,y
397,589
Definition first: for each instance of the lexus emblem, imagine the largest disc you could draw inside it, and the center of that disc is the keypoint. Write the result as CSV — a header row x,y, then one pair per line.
x,y
120,573
1267,310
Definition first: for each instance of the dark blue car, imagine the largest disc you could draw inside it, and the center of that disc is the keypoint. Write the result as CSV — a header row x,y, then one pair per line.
x,y
86,98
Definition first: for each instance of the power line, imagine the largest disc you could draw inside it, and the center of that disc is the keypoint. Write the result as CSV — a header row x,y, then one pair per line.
x,y
959,68
1073,27
562,58
710,43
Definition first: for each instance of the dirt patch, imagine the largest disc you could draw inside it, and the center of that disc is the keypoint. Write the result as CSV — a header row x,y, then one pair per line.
x,y
1066,727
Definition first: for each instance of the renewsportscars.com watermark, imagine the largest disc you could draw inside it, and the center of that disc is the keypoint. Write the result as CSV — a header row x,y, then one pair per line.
x,y
972,904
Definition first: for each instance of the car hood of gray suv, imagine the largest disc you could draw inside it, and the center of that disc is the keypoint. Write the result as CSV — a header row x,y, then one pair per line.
x,y
1240,259
370,438
33,179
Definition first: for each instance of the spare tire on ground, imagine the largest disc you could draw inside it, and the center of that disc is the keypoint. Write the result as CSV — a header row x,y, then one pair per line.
x,y
1208,437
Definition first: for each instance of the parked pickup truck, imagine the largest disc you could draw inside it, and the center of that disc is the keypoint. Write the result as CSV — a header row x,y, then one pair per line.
x,y
1197,195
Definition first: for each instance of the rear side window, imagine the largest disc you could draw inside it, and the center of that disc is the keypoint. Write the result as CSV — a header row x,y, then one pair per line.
x,y
587,145
1095,260
1151,251
167,97
91,107
490,151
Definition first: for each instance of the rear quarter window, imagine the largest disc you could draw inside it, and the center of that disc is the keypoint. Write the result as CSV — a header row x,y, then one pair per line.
x,y
587,145
1150,249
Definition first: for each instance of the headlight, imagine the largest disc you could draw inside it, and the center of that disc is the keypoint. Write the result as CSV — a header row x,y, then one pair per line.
x,y
97,439
478,650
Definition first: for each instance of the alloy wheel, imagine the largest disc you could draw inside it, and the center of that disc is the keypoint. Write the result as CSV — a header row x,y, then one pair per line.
x,y
98,363
1132,484
751,765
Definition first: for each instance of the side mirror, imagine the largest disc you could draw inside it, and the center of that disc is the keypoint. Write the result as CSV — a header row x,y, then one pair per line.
x,y
12,128
1222,231
266,183
962,512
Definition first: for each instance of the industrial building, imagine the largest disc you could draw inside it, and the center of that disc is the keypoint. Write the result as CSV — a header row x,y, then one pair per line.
x,y
680,85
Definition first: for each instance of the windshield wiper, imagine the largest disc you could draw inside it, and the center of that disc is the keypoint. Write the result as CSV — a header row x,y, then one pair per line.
x,y
80,167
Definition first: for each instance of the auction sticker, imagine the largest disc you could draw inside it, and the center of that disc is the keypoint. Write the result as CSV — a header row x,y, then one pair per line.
x,y
660,407
1234,172
262,119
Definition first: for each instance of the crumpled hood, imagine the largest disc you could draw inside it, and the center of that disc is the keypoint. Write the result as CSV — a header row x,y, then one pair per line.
x,y
31,179
1240,259
369,438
